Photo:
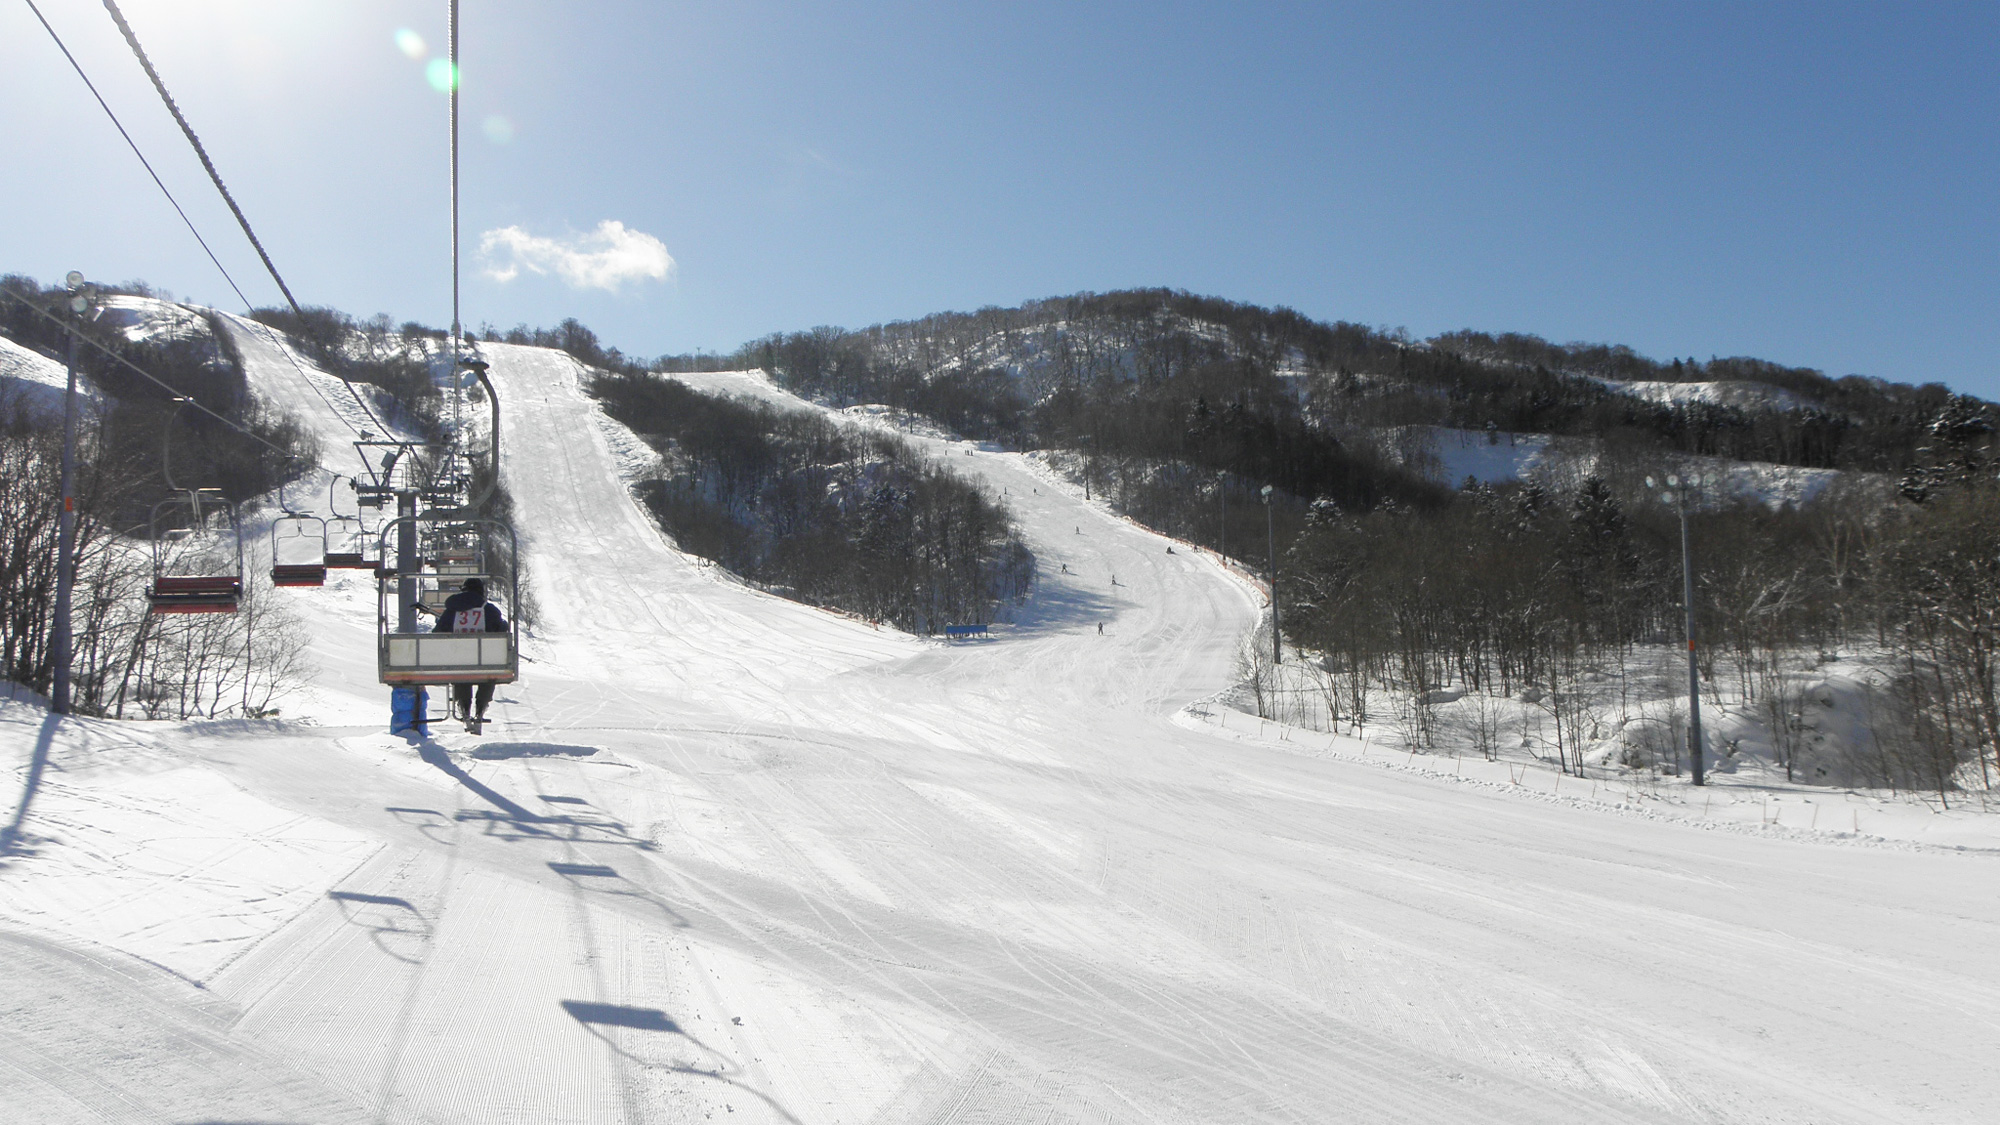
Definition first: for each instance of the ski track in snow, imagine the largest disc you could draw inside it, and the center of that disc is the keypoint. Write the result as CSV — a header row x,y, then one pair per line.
x,y
726,857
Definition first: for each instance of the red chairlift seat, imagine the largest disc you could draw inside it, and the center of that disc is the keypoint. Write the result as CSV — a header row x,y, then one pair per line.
x,y
298,574
195,593
350,534
292,563
205,591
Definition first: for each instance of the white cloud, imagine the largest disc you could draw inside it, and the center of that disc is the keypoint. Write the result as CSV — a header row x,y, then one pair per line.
x,y
605,258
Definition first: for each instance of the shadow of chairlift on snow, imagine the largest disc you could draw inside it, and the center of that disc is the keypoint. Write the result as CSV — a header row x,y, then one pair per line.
x,y
509,821
501,751
620,887
430,823
603,1021
385,926
586,870
618,1015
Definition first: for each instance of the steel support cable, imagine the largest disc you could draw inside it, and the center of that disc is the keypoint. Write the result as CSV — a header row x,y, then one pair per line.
x,y
192,229
151,378
457,329
78,67
457,323
139,52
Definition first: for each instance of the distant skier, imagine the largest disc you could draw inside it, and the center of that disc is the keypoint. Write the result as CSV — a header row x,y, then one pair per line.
x,y
1100,628
468,611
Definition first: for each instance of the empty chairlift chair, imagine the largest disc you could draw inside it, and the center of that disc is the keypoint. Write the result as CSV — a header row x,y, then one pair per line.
x,y
347,544
197,555
346,539
298,550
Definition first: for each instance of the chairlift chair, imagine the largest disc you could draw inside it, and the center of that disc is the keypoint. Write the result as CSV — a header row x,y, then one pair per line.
x,y
346,539
347,544
298,550
439,659
454,552
200,569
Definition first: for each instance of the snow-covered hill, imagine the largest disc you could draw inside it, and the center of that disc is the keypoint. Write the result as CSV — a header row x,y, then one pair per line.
x,y
726,857
32,380
1738,393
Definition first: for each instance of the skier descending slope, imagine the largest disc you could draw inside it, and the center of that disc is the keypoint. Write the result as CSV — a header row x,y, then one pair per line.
x,y
468,611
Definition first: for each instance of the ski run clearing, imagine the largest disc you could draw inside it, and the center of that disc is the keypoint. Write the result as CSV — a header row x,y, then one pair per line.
x,y
723,857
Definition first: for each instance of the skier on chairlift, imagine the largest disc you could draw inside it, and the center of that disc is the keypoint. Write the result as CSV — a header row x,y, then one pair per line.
x,y
468,611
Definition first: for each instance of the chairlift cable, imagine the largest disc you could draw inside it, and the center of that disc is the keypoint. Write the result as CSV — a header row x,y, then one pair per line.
x,y
135,151
175,203
188,130
151,378
457,327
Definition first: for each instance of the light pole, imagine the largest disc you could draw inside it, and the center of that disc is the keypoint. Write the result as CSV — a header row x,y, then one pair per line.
x,y
62,642
1222,493
1271,553
1673,493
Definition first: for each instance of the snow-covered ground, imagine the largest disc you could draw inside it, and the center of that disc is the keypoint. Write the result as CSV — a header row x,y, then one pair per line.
x,y
1631,763
726,857
1490,459
1740,393
149,318
1450,456
34,380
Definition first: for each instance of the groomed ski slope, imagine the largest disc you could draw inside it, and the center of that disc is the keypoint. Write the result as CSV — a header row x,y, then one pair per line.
x,y
724,857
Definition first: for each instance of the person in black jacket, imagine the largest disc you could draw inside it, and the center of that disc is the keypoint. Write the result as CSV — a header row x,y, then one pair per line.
x,y
468,611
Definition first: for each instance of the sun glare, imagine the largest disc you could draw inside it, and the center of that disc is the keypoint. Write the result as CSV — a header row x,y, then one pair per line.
x,y
441,75
411,44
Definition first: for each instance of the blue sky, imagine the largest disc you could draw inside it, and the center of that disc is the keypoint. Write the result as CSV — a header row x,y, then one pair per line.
x,y
1813,184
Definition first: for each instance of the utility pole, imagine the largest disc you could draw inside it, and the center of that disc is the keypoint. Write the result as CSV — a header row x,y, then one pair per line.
x,y
62,643
1676,495
1271,553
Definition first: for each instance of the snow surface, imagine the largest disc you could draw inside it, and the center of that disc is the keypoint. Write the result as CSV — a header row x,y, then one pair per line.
x,y
1498,459
1450,455
1740,393
726,857
34,380
143,318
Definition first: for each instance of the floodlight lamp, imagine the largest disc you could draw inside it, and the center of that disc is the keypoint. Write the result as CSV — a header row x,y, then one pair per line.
x,y
1266,493
79,304
73,280
1673,481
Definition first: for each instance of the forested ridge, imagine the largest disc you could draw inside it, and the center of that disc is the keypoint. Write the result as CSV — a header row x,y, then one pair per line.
x,y
827,513
136,446
1395,580
1003,373
1178,409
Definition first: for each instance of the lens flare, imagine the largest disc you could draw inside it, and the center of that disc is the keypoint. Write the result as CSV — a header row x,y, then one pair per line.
x,y
498,129
442,76
411,44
